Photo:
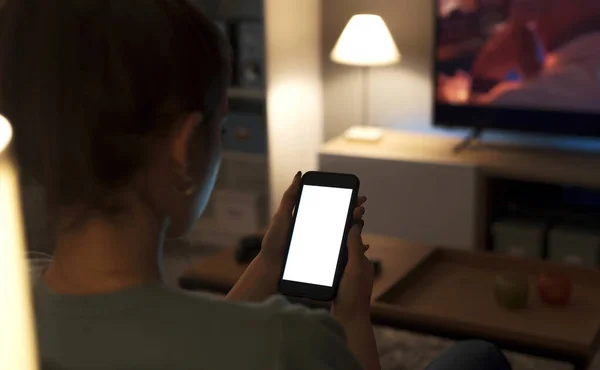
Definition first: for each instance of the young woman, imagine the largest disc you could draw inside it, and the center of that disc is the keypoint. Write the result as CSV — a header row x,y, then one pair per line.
x,y
117,108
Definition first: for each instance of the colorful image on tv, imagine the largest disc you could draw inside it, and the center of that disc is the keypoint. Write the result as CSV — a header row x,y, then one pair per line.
x,y
519,54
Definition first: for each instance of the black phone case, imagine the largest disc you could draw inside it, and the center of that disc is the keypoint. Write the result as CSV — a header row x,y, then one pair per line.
x,y
310,291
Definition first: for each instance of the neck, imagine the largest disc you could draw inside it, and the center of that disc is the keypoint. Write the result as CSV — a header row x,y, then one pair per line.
x,y
103,256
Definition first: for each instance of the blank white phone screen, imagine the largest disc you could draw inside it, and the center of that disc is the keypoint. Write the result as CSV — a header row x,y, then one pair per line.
x,y
317,236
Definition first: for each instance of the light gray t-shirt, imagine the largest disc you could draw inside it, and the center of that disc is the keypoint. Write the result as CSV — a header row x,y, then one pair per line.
x,y
154,327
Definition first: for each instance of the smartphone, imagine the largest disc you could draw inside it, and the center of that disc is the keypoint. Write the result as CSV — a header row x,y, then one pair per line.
x,y
317,254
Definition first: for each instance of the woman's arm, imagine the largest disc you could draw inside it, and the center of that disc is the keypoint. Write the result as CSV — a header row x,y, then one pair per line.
x,y
361,340
257,283
352,306
261,278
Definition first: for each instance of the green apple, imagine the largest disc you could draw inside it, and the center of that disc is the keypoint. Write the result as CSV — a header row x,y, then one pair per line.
x,y
512,291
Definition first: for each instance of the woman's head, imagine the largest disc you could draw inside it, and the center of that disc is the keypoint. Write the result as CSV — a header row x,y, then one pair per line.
x,y
114,101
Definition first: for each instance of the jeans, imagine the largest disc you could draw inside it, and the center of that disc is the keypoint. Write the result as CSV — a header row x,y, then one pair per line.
x,y
471,355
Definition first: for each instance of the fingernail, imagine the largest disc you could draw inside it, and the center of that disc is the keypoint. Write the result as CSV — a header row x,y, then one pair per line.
x,y
363,198
367,247
298,175
363,210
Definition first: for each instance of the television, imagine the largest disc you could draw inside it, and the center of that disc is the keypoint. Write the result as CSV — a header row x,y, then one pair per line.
x,y
511,65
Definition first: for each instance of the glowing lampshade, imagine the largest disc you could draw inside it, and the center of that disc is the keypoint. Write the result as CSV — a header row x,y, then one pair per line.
x,y
17,339
366,41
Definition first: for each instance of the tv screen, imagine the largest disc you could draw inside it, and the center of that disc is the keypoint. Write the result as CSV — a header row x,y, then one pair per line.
x,y
528,65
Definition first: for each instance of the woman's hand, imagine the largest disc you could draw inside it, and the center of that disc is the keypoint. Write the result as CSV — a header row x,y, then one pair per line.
x,y
353,301
352,307
261,278
275,241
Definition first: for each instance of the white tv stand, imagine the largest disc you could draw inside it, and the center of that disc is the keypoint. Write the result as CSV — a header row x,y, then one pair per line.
x,y
421,190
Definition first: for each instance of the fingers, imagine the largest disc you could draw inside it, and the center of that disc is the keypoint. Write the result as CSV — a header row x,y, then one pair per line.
x,y
286,207
359,212
361,200
358,264
356,247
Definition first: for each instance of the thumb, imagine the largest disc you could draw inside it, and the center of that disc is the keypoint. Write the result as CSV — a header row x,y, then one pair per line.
x,y
286,207
356,248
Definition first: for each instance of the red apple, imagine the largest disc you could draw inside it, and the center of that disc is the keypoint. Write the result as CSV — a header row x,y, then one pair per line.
x,y
555,289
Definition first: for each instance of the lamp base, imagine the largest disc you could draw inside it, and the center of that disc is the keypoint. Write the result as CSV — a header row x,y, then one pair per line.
x,y
364,134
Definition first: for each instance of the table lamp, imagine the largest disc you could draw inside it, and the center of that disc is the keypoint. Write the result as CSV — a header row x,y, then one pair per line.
x,y
17,335
366,42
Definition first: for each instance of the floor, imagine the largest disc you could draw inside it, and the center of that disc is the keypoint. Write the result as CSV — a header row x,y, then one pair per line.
x,y
399,350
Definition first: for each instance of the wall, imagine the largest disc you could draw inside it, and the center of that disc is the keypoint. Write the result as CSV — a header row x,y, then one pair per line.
x,y
400,95
294,90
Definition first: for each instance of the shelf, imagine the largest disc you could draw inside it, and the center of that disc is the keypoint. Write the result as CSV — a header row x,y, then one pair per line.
x,y
246,93
508,161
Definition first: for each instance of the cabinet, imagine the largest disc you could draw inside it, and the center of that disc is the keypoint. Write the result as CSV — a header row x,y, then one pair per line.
x,y
420,190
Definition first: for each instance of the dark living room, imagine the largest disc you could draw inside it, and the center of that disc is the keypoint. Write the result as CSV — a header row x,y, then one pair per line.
x,y
407,184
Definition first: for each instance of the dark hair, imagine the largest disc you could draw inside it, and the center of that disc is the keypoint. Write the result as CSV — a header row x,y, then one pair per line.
x,y
86,82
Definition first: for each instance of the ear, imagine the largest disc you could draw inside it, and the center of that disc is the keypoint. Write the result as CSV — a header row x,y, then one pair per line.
x,y
182,137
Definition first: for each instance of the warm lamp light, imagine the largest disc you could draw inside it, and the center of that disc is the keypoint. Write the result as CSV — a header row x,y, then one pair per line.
x,y
17,339
366,42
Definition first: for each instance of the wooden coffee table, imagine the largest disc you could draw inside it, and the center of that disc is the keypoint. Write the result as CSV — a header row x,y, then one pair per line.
x,y
450,294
